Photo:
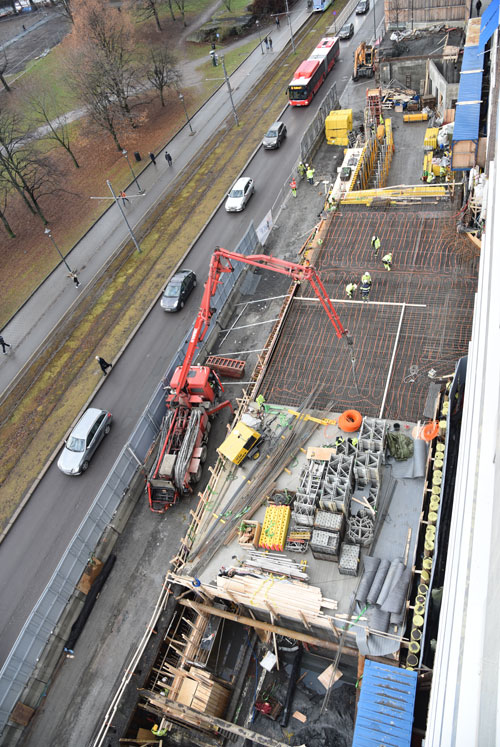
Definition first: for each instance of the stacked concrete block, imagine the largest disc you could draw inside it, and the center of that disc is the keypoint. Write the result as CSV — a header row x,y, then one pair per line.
x,y
308,493
360,528
329,522
372,436
337,483
367,468
325,545
349,559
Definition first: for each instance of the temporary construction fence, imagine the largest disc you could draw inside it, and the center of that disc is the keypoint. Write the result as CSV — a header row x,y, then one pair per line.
x,y
38,630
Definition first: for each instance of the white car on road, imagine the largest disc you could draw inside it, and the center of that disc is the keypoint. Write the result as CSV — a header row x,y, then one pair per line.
x,y
239,195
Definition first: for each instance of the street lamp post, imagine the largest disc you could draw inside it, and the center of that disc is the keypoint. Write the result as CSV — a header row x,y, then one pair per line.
x,y
260,37
290,26
125,153
335,22
221,57
181,99
48,233
374,25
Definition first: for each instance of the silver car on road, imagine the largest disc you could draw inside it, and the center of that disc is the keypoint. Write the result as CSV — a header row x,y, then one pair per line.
x,y
84,440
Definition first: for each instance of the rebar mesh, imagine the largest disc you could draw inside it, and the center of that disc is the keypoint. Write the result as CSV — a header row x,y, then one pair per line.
x,y
430,266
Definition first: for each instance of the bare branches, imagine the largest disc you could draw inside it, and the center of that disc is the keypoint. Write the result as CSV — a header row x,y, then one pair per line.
x,y
4,65
149,9
180,4
42,105
162,72
102,63
21,167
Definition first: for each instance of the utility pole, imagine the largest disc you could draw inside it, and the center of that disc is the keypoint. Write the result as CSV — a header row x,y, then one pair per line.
x,y
260,37
221,57
374,24
181,99
117,200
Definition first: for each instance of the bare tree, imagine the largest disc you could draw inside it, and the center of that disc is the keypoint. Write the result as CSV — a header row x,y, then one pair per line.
x,y
102,108
21,167
4,192
227,4
4,64
162,72
171,9
66,9
103,42
149,9
180,5
42,106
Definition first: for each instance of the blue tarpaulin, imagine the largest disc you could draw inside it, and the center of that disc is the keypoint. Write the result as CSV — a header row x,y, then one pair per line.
x,y
385,707
489,23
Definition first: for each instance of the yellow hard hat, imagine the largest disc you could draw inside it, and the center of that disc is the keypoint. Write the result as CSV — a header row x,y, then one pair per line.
x,y
155,727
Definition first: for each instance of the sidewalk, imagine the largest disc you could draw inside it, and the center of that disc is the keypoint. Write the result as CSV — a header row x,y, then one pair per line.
x,y
43,310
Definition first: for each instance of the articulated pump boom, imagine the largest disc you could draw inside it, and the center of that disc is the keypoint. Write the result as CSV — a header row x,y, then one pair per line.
x,y
194,390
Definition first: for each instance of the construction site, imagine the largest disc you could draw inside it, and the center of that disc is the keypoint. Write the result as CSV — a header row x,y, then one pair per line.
x,y
302,591
302,604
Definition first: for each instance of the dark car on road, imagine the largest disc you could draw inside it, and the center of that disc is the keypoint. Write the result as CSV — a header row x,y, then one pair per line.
x,y
275,135
362,7
179,287
346,31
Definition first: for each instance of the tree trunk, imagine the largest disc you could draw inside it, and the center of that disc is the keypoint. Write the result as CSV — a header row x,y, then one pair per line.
x,y
171,9
77,165
4,83
162,99
157,20
115,137
6,225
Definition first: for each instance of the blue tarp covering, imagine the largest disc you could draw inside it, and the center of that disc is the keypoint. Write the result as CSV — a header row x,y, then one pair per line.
x,y
473,59
489,23
469,90
385,707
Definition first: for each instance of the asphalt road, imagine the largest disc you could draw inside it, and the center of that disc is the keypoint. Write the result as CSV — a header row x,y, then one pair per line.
x,y
59,504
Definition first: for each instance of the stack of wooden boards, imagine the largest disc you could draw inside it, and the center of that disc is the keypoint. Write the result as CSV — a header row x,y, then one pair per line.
x,y
293,599
200,691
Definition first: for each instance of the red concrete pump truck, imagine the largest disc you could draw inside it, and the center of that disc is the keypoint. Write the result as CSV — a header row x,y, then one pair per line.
x,y
193,391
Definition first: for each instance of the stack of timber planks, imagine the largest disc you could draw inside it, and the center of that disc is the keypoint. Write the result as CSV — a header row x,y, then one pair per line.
x,y
280,597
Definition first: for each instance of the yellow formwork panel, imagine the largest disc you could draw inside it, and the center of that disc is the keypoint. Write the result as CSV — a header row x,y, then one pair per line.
x,y
275,528
339,119
430,139
368,195
419,117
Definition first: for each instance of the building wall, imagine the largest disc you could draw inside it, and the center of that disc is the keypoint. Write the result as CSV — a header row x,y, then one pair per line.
x,y
444,92
414,13
409,72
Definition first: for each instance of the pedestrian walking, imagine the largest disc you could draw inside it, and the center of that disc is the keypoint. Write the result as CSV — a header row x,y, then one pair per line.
x,y
375,244
350,288
310,174
387,261
153,158
168,158
4,345
266,42
478,7
74,278
103,364
278,21
270,44
293,187
124,197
